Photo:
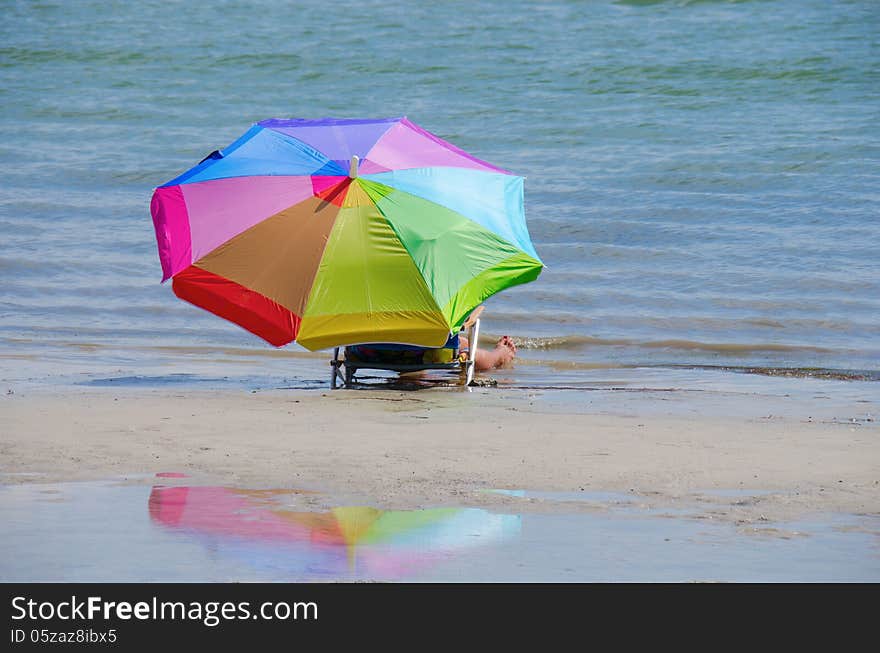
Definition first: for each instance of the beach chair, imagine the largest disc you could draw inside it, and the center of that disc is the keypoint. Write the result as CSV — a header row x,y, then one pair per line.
x,y
407,358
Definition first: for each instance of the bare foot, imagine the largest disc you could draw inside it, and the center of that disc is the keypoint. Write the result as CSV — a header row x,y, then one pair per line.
x,y
505,351
508,341
503,354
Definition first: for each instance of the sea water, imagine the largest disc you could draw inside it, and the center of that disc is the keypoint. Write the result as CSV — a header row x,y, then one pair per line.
x,y
701,177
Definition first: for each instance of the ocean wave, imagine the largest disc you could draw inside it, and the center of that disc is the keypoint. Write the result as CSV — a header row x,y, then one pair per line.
x,y
15,56
577,342
806,373
269,61
788,372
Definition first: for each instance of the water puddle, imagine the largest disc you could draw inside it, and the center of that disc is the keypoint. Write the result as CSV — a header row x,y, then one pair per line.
x,y
591,497
111,531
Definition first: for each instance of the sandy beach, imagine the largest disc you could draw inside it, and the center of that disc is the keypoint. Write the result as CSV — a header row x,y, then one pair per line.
x,y
401,450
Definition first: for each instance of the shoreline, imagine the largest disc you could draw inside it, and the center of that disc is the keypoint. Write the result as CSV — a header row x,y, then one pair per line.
x,y
790,455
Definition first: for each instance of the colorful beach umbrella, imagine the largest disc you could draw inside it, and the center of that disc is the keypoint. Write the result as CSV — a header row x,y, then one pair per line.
x,y
340,231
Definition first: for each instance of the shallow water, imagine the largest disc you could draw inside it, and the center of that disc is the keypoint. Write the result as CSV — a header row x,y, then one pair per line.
x,y
112,531
701,176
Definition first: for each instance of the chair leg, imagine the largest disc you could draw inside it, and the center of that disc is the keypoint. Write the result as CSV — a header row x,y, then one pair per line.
x,y
469,374
334,368
349,375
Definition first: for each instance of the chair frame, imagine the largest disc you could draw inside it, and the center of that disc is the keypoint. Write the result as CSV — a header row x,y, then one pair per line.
x,y
342,371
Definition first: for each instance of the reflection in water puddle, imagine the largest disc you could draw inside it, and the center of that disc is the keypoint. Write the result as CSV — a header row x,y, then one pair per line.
x,y
580,496
112,532
358,541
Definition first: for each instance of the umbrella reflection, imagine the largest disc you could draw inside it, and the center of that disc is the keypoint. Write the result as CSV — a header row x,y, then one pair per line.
x,y
353,542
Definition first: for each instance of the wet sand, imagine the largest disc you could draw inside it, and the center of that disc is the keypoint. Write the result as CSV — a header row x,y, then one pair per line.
x,y
403,450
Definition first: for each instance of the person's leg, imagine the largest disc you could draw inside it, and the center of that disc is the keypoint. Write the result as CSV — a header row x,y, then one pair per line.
x,y
503,353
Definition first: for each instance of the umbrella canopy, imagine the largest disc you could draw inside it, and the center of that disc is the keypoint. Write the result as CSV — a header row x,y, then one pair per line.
x,y
336,231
